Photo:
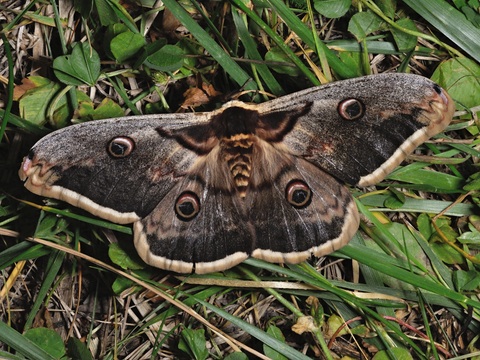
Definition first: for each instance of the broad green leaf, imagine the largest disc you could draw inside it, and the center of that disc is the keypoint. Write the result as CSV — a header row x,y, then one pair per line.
x,y
447,254
22,344
168,58
332,9
106,13
461,78
275,332
397,352
471,238
237,355
36,103
193,342
405,42
107,109
364,23
82,66
125,45
388,7
78,350
466,280
120,257
48,340
437,181
472,15
424,225
112,31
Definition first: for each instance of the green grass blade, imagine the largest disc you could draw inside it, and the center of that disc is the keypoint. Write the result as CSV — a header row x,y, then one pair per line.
x,y
305,33
251,51
230,66
265,338
451,22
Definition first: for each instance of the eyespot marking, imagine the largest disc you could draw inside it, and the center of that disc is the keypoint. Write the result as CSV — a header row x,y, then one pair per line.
x,y
351,109
298,194
120,147
187,206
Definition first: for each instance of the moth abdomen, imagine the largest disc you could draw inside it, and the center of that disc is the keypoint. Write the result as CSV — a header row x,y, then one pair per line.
x,y
237,152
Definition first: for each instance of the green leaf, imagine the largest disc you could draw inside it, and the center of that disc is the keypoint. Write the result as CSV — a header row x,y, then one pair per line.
x,y
120,257
78,350
424,225
461,78
48,340
276,333
193,343
388,7
364,23
215,50
106,13
41,103
405,42
471,238
332,9
34,104
466,280
112,31
393,353
125,45
107,109
82,66
237,355
471,15
168,58
447,254
84,7
436,181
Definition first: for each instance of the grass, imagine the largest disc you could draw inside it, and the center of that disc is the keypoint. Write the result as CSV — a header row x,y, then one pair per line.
x,y
407,286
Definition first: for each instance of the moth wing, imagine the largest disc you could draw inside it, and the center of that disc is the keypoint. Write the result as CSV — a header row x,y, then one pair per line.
x,y
74,164
397,113
228,229
217,238
291,234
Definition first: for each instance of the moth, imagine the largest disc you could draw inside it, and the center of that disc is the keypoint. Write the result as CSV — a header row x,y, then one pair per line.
x,y
205,191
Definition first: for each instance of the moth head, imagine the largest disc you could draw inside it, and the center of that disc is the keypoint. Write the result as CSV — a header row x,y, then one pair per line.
x,y
187,206
120,147
351,109
298,194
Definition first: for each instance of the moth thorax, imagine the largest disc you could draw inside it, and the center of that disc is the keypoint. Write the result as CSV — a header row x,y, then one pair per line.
x,y
237,151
